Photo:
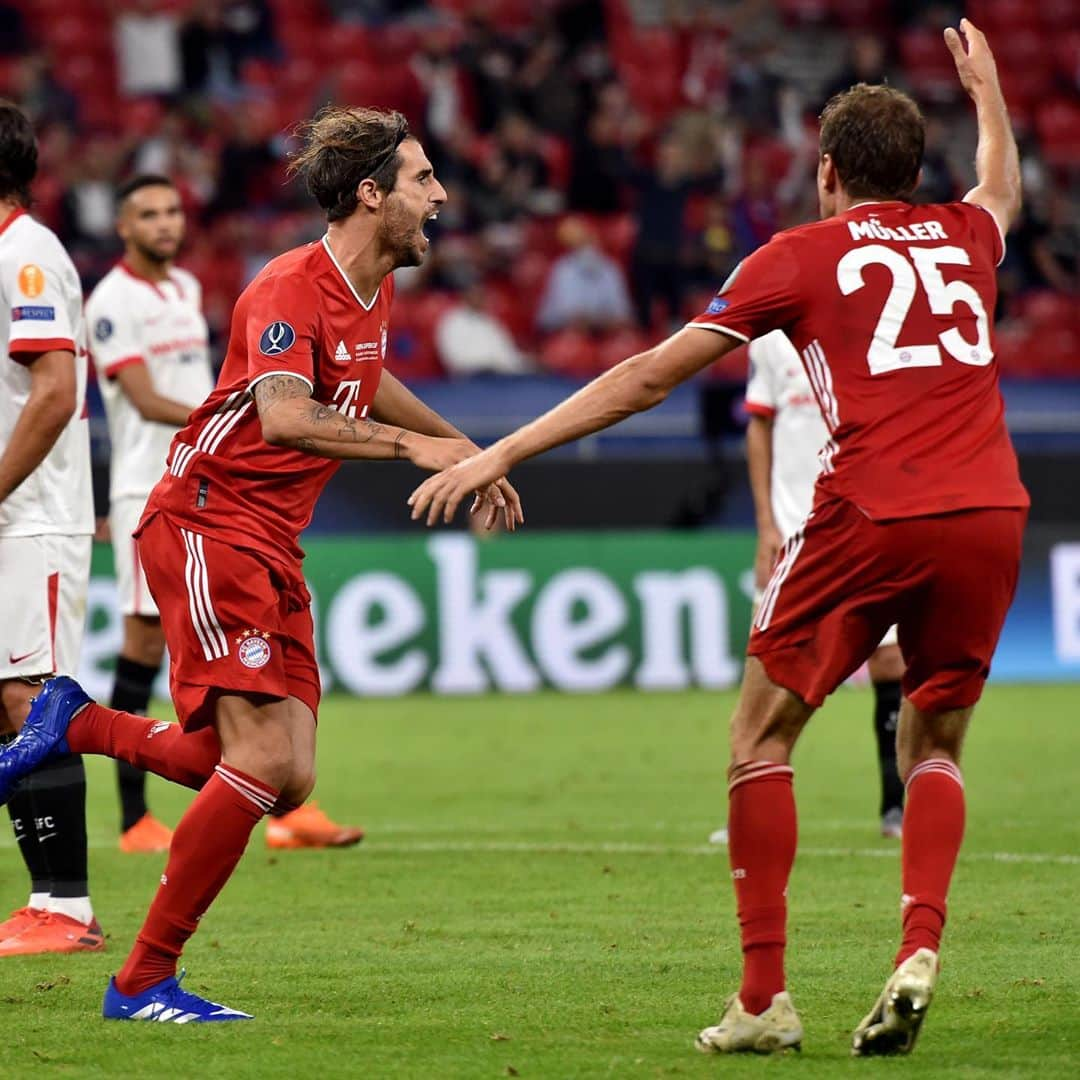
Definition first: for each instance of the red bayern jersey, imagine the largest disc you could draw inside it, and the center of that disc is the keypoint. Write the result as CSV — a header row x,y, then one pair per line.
x,y
300,316
891,309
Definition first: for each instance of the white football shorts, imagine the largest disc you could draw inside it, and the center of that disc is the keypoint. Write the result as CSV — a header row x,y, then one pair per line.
x,y
43,580
131,591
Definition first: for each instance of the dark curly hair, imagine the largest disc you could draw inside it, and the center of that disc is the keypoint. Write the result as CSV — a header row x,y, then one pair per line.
x,y
18,153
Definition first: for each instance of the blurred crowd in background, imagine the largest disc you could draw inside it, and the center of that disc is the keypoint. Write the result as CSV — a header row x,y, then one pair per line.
x,y
608,162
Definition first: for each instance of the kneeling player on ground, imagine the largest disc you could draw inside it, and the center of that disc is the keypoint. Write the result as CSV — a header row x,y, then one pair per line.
x,y
917,519
219,539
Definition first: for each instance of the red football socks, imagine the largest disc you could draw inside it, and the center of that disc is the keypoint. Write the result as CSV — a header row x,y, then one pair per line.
x,y
762,833
205,849
152,745
933,831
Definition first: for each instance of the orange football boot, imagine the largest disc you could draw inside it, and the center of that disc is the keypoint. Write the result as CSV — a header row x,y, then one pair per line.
x,y
20,920
147,834
55,933
308,827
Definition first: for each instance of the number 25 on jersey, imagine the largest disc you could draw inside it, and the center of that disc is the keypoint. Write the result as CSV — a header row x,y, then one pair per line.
x,y
884,355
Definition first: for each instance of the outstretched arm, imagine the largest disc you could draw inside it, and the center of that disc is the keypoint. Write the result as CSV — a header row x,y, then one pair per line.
x,y
633,386
291,417
997,161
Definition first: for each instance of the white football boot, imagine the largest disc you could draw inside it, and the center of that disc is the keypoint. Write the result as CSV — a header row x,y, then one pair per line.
x,y
777,1028
893,1024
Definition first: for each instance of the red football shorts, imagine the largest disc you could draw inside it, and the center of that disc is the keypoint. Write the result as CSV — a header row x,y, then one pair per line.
x,y
234,621
839,584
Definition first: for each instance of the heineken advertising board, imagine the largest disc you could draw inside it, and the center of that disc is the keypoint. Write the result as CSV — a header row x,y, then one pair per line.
x,y
574,611
457,615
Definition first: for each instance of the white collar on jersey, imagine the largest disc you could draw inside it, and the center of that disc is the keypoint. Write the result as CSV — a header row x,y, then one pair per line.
x,y
872,202
345,277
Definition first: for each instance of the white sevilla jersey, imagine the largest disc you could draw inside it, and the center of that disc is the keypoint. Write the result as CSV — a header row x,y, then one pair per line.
x,y
778,387
133,320
41,311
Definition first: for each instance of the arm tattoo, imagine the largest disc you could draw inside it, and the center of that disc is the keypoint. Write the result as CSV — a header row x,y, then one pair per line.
x,y
345,428
397,443
269,391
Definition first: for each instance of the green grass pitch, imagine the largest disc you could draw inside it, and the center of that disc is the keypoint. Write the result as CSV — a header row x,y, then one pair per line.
x,y
535,898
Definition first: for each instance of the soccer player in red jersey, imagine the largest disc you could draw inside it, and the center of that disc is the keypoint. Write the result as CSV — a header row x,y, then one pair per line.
x,y
302,388
917,519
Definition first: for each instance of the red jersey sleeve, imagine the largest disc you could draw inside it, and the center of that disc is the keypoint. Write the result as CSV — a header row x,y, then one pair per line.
x,y
282,329
985,230
761,294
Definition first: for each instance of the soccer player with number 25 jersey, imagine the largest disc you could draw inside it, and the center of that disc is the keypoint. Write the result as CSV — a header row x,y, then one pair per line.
x,y
917,518
302,388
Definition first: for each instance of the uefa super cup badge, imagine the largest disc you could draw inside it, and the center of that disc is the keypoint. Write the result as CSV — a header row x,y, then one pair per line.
x,y
254,648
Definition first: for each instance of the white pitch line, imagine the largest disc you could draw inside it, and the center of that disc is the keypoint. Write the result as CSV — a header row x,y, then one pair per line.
x,y
708,850
449,847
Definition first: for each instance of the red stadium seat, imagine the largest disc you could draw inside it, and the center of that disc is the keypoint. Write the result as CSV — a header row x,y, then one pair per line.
x,y
1058,126
571,352
928,65
1049,309
1067,57
1004,15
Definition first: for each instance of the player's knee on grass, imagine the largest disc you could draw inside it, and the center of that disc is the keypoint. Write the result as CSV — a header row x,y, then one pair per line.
x,y
767,718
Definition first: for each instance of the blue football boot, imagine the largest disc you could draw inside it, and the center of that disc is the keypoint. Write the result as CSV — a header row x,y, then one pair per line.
x,y
43,733
166,1003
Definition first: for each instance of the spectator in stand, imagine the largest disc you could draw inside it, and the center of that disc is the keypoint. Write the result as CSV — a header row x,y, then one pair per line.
x,y
938,184
755,213
1054,245
490,61
601,155
471,341
586,288
13,37
866,62
40,96
148,49
658,262
89,207
215,40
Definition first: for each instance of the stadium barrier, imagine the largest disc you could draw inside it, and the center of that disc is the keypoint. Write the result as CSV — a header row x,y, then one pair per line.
x,y
667,610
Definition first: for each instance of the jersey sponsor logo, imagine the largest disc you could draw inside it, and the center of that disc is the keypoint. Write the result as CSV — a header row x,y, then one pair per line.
x,y
716,305
158,727
383,335
341,353
13,659
41,314
31,280
277,338
103,329
254,650
346,396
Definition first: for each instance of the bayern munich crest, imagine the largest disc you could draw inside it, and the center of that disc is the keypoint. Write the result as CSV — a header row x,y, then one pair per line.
x,y
254,648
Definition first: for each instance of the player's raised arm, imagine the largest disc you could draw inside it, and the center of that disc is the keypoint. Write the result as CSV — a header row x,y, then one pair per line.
x,y
997,161
637,384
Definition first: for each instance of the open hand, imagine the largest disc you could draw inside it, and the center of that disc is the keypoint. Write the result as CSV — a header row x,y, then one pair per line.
x,y
499,496
439,496
975,63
